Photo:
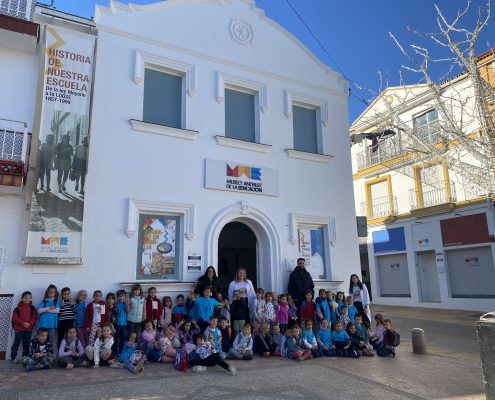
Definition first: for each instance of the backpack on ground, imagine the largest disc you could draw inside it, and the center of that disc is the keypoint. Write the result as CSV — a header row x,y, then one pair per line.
x,y
181,362
395,339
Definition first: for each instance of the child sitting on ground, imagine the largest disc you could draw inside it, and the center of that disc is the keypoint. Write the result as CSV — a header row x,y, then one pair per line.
x,y
277,338
213,334
147,341
71,353
363,330
341,340
283,343
263,344
168,344
40,355
324,339
207,357
132,358
376,338
187,331
309,339
242,348
391,339
358,341
102,349
295,346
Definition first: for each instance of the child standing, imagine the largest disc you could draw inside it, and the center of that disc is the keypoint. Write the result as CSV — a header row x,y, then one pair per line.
x,y
282,317
66,315
270,312
153,306
344,317
40,355
121,331
208,358
102,348
23,320
111,308
324,339
242,348
166,315
179,311
295,346
71,353
308,307
322,307
239,311
48,311
257,313
351,309
96,316
135,308
203,309
82,333
340,300
293,312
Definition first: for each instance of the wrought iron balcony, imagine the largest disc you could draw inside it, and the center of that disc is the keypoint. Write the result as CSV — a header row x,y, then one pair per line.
x,y
380,207
433,194
22,9
14,142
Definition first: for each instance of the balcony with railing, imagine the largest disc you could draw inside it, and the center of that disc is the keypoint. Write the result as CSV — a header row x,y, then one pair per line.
x,y
14,147
380,207
17,29
433,194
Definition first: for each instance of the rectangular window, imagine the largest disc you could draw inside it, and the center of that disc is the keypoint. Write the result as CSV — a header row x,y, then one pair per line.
x,y
312,249
305,129
427,126
240,120
162,98
158,247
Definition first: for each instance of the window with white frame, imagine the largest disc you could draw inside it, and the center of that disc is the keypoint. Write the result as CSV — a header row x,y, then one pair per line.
x,y
305,128
240,115
163,102
427,126
312,249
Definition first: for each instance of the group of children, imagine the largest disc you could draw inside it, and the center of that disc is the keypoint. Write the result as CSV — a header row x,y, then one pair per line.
x,y
125,331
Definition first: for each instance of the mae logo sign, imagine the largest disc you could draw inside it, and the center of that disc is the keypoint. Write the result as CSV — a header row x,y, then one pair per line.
x,y
52,245
236,177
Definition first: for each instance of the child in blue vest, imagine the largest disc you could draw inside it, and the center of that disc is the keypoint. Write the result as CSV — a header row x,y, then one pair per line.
x,y
82,333
309,339
203,309
213,334
324,339
121,321
351,309
340,300
48,312
136,308
341,340
322,308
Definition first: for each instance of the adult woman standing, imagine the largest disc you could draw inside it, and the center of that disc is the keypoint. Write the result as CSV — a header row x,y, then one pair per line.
x,y
210,279
243,285
360,297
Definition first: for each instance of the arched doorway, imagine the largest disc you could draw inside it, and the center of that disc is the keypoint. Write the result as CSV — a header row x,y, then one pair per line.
x,y
237,247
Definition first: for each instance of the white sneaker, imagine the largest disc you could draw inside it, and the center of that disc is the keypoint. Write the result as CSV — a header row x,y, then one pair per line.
x,y
199,368
233,370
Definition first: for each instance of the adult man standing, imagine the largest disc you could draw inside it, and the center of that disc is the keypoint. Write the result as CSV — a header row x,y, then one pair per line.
x,y
300,282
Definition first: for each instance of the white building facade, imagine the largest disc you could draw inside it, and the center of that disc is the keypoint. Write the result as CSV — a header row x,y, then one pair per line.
x,y
216,139
430,235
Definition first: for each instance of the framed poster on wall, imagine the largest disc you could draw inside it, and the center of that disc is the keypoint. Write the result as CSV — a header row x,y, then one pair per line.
x,y
158,247
312,249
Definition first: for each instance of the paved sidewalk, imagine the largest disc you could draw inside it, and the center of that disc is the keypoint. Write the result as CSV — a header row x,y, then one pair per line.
x,y
451,370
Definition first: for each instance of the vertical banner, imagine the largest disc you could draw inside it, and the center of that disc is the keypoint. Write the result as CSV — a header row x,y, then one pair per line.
x,y
56,218
311,248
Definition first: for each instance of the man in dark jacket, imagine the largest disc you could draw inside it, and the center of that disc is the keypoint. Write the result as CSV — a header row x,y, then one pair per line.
x,y
300,282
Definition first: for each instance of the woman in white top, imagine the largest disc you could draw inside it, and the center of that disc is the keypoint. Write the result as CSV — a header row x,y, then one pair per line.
x,y
243,285
360,297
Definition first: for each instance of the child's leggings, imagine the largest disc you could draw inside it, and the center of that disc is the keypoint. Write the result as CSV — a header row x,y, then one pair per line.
x,y
95,330
83,336
210,361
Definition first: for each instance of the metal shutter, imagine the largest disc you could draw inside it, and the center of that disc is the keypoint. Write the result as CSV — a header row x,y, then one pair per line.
x,y
393,275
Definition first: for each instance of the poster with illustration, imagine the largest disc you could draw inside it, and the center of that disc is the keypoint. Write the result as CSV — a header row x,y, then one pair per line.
x,y
158,247
311,248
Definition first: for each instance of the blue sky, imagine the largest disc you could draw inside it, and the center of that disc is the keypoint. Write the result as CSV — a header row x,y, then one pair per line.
x,y
354,32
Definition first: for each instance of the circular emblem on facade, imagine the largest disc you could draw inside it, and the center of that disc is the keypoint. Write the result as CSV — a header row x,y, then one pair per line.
x,y
241,32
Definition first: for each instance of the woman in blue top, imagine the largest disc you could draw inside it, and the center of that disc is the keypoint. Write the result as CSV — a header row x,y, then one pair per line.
x,y
48,311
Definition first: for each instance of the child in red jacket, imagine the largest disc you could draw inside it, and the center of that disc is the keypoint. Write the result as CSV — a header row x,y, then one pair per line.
x,y
23,321
153,307
95,317
308,308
